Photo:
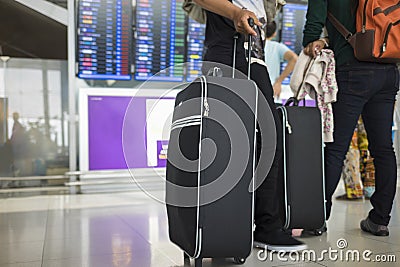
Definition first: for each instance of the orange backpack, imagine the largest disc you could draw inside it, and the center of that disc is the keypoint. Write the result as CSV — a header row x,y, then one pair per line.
x,y
378,31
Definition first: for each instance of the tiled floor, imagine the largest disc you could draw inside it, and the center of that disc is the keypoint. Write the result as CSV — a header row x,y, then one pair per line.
x,y
130,229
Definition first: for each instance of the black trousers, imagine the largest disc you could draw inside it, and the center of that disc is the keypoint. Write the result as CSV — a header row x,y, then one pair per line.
x,y
267,200
267,213
267,206
368,89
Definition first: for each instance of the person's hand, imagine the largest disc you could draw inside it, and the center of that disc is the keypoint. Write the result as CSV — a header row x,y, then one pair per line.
x,y
313,49
277,88
240,19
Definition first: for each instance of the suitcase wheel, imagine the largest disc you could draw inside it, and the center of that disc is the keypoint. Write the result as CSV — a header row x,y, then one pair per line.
x,y
318,232
239,260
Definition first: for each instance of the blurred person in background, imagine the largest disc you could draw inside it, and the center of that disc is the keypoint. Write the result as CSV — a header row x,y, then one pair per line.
x,y
275,54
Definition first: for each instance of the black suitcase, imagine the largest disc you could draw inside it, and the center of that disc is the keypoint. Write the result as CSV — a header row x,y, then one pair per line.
x,y
302,167
210,169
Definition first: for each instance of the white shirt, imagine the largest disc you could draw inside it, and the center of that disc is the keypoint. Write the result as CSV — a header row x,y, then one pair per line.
x,y
274,56
255,6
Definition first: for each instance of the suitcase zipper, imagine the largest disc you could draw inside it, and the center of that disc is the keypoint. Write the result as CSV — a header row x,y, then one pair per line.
x,y
288,127
204,112
385,39
200,241
205,101
287,223
287,202
206,107
287,124
364,17
383,48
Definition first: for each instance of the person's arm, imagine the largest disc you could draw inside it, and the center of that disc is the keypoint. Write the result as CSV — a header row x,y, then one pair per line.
x,y
226,9
291,58
316,16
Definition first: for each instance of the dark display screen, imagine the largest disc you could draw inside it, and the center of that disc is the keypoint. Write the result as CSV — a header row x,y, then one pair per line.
x,y
293,20
160,40
104,39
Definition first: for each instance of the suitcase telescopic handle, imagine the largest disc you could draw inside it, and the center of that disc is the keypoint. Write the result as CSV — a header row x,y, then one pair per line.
x,y
249,45
235,38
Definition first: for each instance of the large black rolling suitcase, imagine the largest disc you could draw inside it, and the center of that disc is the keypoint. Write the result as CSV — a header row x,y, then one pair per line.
x,y
302,167
210,169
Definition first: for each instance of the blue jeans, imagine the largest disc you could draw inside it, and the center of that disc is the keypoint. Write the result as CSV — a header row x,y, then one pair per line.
x,y
368,89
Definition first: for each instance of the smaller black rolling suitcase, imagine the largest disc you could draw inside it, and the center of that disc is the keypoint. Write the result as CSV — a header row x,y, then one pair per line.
x,y
214,123
302,167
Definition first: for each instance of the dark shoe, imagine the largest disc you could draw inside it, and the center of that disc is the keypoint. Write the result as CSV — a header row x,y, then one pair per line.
x,y
369,226
278,241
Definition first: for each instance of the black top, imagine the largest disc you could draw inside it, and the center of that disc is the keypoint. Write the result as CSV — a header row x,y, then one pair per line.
x,y
344,11
218,43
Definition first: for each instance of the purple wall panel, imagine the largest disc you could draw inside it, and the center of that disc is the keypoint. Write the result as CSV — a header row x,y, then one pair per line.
x,y
106,116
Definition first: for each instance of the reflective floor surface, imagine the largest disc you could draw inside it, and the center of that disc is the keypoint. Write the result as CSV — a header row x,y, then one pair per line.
x,y
130,229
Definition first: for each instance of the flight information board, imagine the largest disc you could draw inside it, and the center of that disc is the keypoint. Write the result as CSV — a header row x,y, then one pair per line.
x,y
293,20
195,49
104,39
160,40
